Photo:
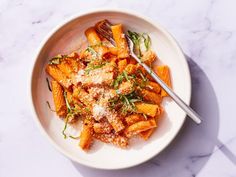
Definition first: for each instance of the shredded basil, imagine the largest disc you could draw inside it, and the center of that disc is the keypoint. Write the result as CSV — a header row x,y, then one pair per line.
x,y
67,116
138,40
147,41
87,110
91,67
74,137
144,79
118,80
65,126
135,100
71,112
57,59
67,103
48,83
121,77
98,45
92,51
126,75
50,106
128,102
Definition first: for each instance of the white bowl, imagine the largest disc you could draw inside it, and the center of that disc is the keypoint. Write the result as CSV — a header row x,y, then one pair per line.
x,y
67,38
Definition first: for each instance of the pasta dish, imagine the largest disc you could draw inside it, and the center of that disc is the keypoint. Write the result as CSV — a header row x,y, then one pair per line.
x,y
106,90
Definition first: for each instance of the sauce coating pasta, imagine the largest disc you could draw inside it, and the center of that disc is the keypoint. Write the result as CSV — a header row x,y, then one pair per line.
x,y
105,89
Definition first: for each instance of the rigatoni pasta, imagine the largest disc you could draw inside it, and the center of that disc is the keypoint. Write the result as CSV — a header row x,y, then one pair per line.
x,y
59,100
106,90
139,127
164,73
86,136
92,36
121,43
58,75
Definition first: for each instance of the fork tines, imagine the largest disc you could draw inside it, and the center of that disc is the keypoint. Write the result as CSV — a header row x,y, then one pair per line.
x,y
104,29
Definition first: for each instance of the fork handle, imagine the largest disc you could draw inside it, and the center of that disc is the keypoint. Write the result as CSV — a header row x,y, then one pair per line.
x,y
189,111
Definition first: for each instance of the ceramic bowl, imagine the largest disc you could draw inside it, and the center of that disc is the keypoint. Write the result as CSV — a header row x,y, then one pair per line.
x,y
66,38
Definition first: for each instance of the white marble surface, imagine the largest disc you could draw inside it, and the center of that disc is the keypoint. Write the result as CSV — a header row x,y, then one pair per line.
x,y
206,30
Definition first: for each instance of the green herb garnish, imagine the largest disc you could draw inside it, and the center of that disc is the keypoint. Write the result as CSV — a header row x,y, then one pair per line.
x,y
135,100
144,79
65,126
49,87
92,66
67,103
121,77
99,44
128,107
74,137
126,75
71,113
139,40
67,116
57,59
118,80
50,106
128,102
147,41
92,51
87,110
136,38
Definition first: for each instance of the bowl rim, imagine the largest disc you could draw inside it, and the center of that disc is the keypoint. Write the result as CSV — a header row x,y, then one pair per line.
x,y
85,13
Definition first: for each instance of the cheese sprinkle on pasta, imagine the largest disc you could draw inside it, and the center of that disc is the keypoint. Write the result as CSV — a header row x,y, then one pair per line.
x,y
106,90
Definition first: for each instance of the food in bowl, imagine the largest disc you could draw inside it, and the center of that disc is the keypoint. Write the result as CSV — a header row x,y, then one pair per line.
x,y
105,89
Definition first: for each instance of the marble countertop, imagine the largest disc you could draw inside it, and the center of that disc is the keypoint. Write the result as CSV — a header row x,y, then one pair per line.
x,y
205,29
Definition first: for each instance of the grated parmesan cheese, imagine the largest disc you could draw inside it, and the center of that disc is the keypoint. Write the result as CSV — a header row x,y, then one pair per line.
x,y
98,112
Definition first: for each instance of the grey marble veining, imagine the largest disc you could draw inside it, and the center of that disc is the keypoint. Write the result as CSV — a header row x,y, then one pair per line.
x,y
205,29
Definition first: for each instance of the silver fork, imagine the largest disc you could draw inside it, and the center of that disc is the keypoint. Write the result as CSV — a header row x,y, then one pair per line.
x,y
188,110
103,28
